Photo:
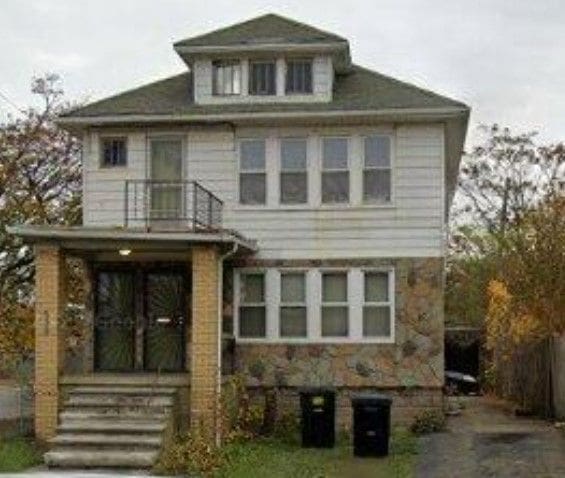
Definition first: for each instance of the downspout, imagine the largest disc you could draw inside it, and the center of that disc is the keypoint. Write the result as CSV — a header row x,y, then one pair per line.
x,y
223,257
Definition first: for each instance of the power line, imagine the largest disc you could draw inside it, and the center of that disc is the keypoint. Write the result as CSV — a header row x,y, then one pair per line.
x,y
11,103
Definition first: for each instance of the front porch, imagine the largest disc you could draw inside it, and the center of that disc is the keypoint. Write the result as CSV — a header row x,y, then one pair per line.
x,y
152,316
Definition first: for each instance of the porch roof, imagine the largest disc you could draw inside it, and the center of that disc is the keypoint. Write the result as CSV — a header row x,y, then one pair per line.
x,y
89,238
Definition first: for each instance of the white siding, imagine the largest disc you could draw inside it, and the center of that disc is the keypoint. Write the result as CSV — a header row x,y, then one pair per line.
x,y
411,226
322,77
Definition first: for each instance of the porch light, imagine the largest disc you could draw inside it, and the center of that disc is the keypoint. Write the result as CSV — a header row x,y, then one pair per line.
x,y
124,252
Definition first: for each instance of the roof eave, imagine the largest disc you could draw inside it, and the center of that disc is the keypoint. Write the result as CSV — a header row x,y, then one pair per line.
x,y
411,114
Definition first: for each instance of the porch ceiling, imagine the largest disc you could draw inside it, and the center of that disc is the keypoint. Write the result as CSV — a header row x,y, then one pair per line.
x,y
81,239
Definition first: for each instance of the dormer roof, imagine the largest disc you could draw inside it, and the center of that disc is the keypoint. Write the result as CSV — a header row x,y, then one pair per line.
x,y
267,33
265,29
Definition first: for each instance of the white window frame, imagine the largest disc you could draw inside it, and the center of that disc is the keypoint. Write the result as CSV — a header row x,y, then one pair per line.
x,y
346,304
303,304
264,171
232,64
303,61
323,170
267,61
390,303
376,202
237,302
313,277
305,171
112,137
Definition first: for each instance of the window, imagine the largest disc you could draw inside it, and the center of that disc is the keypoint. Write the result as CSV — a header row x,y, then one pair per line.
x,y
299,76
292,318
377,169
335,308
377,307
226,77
252,174
335,170
294,175
114,152
262,78
252,311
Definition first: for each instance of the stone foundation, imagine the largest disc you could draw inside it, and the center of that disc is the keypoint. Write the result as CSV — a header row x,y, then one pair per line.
x,y
406,403
410,370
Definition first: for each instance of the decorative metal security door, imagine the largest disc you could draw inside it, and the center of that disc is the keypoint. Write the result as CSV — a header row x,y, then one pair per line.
x,y
114,321
165,320
140,320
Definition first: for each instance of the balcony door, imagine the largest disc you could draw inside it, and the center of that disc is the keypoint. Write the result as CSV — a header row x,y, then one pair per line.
x,y
166,186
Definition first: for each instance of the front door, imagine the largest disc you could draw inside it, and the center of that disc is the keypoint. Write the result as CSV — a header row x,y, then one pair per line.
x,y
140,319
166,181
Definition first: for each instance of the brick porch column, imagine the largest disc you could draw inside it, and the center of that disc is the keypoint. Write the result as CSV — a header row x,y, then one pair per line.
x,y
49,307
204,366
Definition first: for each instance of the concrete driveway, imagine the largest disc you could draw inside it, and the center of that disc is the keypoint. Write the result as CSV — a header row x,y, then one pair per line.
x,y
486,441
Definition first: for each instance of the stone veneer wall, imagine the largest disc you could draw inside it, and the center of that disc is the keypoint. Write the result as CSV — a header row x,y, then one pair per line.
x,y
410,370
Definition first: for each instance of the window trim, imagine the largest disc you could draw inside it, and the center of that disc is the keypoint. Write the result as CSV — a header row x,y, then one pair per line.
x,y
109,137
313,277
250,77
286,70
348,139
238,303
264,171
303,304
390,303
281,171
391,168
346,304
227,62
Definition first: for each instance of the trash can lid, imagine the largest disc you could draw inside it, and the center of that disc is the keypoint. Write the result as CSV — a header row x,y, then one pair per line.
x,y
370,399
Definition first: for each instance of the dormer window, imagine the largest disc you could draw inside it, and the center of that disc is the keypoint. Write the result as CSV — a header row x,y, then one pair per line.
x,y
299,76
262,78
226,77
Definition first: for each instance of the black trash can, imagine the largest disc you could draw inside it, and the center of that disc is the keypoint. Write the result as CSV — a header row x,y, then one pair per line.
x,y
318,417
371,424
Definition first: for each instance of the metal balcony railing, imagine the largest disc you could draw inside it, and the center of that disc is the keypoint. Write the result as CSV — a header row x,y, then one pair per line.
x,y
171,205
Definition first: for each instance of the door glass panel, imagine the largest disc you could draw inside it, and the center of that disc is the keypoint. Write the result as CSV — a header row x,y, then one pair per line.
x,y
114,322
165,321
166,174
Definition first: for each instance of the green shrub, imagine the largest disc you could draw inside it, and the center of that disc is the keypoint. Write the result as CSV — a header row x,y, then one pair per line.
x,y
429,421
287,428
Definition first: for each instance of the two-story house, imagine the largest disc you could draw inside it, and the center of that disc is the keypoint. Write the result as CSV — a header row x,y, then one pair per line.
x,y
276,193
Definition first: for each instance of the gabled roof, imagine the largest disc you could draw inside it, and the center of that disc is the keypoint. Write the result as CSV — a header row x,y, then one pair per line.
x,y
359,90
270,28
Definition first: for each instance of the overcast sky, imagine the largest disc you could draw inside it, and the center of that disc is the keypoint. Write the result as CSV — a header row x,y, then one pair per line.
x,y
504,58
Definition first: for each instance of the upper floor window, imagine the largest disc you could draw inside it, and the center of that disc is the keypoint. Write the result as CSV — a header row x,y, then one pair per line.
x,y
299,76
335,170
262,78
294,175
114,152
252,172
226,77
377,169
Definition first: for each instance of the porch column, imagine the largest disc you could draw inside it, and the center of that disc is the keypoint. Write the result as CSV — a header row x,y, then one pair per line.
x,y
204,367
49,348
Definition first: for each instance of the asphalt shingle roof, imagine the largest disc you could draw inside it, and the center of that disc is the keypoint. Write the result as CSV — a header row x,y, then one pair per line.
x,y
360,89
270,28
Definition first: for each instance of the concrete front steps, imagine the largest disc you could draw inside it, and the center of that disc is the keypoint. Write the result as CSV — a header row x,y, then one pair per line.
x,y
103,426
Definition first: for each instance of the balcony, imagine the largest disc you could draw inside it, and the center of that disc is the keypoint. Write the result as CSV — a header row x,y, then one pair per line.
x,y
171,205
